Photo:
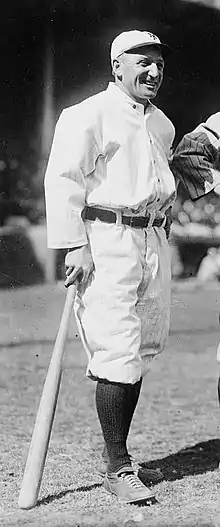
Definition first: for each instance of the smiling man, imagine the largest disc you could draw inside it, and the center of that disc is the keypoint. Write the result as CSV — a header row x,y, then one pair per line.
x,y
139,72
108,186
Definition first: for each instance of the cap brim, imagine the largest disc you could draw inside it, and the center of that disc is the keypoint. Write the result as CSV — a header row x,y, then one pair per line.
x,y
166,49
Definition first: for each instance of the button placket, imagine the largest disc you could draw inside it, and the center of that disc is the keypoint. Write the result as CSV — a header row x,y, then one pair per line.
x,y
157,179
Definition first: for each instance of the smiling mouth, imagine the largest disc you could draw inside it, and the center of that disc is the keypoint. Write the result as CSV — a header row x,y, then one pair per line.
x,y
149,84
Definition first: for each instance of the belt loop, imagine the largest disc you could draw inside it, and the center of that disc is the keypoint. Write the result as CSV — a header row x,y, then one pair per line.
x,y
152,215
118,217
164,221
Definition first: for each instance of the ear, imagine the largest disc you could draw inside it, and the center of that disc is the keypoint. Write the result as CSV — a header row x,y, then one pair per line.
x,y
117,68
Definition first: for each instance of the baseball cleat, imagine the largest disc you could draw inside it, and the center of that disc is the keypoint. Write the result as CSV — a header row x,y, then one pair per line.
x,y
128,488
148,476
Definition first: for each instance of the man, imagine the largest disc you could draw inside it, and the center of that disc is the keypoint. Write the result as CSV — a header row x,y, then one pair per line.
x,y
196,162
108,186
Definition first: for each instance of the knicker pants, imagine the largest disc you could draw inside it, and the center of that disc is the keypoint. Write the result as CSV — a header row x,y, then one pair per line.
x,y
123,312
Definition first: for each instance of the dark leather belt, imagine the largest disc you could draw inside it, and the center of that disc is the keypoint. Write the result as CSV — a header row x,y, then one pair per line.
x,y
108,216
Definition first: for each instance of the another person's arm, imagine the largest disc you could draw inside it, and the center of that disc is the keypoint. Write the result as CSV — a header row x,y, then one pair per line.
x,y
196,161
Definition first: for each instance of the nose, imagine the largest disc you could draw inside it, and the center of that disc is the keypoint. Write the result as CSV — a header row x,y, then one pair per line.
x,y
153,70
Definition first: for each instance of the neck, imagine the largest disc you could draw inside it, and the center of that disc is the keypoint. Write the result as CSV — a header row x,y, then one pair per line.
x,y
121,86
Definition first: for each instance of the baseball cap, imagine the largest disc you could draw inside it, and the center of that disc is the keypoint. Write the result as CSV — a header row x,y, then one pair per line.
x,y
133,39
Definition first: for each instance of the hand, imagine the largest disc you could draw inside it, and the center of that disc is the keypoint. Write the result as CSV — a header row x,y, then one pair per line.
x,y
79,265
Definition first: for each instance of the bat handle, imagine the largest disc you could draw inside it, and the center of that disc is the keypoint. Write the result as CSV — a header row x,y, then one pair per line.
x,y
71,292
64,323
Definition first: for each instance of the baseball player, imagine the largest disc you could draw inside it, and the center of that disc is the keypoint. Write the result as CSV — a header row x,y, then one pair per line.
x,y
108,185
196,162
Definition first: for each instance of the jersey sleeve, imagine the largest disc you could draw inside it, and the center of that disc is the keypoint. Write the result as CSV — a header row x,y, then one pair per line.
x,y
72,157
196,162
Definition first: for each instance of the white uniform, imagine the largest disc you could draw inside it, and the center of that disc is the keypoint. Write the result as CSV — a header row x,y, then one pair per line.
x,y
108,153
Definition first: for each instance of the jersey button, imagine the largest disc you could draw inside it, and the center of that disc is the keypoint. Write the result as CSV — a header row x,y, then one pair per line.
x,y
134,106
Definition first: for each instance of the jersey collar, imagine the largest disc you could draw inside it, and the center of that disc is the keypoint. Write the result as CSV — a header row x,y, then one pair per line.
x,y
118,95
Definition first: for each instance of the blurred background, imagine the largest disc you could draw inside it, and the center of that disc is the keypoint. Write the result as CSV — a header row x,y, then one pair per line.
x,y
55,53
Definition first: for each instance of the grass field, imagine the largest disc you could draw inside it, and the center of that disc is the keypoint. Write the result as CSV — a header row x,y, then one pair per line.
x,y
176,425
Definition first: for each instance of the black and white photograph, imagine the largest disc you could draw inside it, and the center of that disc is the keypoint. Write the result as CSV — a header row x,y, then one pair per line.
x,y
110,263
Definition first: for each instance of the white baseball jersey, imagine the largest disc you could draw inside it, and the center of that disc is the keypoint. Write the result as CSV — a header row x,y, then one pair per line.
x,y
106,152
109,153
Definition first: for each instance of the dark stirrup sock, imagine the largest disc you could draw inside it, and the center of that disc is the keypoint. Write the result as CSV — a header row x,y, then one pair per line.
x,y
116,403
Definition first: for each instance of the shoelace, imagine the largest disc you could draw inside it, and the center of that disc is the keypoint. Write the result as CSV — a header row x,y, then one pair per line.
x,y
132,480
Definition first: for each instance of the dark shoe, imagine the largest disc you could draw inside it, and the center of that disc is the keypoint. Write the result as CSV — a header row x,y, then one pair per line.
x,y
128,488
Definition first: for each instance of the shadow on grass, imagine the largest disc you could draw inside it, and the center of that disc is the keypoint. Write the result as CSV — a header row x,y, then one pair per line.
x,y
191,461
52,497
59,495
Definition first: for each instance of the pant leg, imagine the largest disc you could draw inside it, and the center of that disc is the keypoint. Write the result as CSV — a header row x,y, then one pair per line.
x,y
123,316
106,312
153,305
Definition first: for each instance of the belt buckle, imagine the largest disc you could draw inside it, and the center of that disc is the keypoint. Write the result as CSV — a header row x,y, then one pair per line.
x,y
131,221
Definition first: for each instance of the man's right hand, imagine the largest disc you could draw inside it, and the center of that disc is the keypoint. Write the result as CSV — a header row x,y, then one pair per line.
x,y
79,265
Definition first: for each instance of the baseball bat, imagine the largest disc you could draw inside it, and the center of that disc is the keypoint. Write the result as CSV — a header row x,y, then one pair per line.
x,y
45,416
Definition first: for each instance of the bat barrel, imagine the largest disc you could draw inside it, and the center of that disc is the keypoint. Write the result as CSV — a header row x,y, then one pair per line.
x,y
45,416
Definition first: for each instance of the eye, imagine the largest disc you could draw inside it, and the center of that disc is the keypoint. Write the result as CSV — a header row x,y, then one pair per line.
x,y
144,63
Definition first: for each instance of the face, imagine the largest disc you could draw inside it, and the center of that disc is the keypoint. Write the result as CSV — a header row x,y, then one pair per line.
x,y
140,72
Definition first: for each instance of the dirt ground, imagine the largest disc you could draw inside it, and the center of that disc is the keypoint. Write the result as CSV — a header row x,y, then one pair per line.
x,y
176,425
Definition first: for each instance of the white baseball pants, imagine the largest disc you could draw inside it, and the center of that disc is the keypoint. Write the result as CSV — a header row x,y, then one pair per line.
x,y
123,313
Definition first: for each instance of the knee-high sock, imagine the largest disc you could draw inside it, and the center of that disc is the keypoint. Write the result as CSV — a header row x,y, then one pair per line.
x,y
116,404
